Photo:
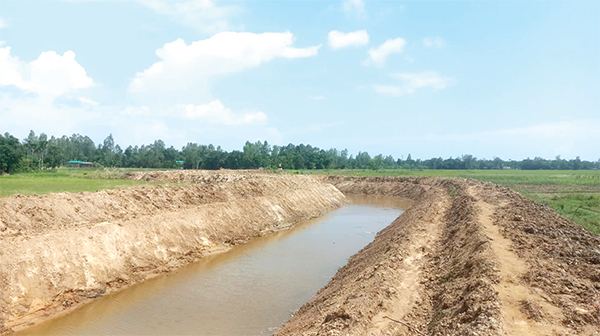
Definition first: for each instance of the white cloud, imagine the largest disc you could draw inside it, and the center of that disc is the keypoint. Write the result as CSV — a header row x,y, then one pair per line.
x,y
215,112
414,81
2,24
354,8
20,114
147,131
88,101
319,97
212,113
434,42
185,67
135,111
338,40
10,69
49,76
379,55
204,15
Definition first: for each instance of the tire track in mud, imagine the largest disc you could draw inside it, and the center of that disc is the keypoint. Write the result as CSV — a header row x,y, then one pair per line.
x,y
523,310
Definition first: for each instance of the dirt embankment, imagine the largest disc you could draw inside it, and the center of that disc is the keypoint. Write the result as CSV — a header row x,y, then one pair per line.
x,y
60,250
468,258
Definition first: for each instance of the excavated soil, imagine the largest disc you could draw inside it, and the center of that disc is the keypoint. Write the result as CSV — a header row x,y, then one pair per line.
x,y
468,258
62,250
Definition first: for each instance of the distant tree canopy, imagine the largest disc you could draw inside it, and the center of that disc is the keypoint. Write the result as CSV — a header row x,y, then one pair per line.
x,y
39,152
11,153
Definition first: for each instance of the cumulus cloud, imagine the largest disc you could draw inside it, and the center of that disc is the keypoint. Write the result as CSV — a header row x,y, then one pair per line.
x,y
49,76
215,112
338,40
203,15
151,130
354,8
211,113
20,114
87,101
184,67
135,111
379,55
414,81
434,42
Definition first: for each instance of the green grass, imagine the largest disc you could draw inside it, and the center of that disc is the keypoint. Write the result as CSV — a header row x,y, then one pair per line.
x,y
577,196
60,180
582,208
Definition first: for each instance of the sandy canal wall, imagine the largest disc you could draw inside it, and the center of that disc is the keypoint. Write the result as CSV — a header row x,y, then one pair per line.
x,y
468,258
58,251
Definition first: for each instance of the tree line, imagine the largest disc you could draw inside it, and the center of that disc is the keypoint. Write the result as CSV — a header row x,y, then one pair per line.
x,y
40,152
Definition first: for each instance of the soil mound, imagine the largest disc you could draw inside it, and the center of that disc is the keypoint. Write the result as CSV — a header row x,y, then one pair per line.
x,y
193,176
60,250
468,258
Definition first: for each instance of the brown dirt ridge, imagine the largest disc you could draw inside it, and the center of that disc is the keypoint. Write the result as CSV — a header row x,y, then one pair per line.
x,y
468,258
59,251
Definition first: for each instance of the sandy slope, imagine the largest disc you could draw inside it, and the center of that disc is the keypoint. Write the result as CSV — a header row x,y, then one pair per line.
x,y
59,250
468,258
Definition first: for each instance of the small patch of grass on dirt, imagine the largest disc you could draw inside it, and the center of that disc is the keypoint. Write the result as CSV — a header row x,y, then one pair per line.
x,y
60,180
582,208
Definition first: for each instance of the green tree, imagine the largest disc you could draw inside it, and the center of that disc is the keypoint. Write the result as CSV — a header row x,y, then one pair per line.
x,y
10,153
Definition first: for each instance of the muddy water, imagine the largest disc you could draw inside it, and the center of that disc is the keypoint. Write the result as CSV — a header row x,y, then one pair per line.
x,y
249,290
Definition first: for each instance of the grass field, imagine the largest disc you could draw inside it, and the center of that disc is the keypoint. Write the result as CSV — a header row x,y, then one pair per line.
x,y
71,180
575,194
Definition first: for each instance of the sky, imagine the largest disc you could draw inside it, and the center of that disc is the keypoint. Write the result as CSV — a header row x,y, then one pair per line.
x,y
508,79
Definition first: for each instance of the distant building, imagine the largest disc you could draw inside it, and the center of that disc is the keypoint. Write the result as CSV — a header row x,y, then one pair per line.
x,y
79,164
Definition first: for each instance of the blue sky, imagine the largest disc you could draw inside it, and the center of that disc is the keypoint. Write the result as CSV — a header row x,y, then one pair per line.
x,y
512,79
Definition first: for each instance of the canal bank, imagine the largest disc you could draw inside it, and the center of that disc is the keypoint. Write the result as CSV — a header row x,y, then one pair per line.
x,y
60,251
249,290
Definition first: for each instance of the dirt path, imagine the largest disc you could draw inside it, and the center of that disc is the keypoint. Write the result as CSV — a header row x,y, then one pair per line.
x,y
410,293
381,291
524,311
468,258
